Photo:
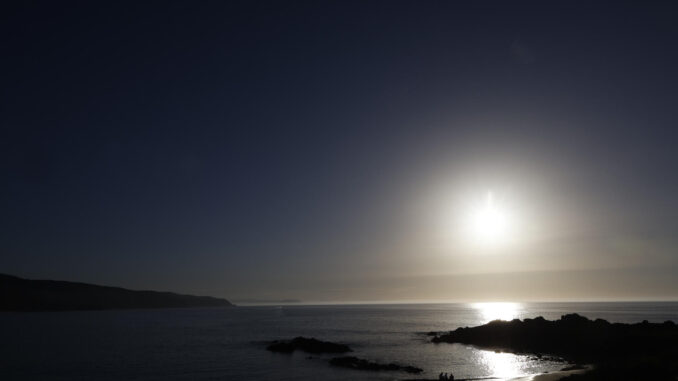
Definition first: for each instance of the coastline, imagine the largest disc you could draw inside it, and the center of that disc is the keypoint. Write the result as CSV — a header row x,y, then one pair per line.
x,y
554,376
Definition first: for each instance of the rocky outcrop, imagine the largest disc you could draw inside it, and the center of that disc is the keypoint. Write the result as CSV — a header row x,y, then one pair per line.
x,y
314,346
308,345
619,351
573,336
361,364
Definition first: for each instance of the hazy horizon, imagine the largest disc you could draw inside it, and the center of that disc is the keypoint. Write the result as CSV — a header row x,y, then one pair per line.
x,y
464,290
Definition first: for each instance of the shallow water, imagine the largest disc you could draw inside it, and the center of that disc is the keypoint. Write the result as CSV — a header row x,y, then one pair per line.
x,y
228,344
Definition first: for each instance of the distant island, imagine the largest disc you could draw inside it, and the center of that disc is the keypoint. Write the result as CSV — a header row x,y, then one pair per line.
x,y
267,301
17,294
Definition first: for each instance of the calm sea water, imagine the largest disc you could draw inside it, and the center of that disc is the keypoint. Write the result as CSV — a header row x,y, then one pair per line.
x,y
228,344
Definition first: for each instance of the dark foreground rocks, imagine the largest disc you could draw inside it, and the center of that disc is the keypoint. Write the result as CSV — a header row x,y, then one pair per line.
x,y
361,364
314,346
308,345
619,351
573,337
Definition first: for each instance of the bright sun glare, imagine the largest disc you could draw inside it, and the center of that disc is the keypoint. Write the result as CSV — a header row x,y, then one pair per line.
x,y
489,222
497,311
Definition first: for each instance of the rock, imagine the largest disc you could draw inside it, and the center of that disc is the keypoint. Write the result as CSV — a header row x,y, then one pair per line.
x,y
573,367
307,345
361,364
573,337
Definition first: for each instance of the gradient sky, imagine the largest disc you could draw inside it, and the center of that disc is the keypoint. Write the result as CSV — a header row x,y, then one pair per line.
x,y
325,151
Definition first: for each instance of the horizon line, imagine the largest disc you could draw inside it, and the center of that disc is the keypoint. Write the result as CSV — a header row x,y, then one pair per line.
x,y
420,301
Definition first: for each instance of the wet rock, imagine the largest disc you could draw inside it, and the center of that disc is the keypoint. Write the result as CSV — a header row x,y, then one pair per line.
x,y
573,367
361,364
308,345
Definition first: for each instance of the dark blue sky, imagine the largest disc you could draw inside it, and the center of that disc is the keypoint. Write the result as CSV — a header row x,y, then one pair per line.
x,y
293,149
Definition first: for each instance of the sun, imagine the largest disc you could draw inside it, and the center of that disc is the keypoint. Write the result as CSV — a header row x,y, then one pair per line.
x,y
489,222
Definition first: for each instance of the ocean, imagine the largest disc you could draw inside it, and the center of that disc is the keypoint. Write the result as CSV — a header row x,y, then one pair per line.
x,y
229,343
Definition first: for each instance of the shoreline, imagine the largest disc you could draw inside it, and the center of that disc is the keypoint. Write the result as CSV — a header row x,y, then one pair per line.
x,y
554,376
550,376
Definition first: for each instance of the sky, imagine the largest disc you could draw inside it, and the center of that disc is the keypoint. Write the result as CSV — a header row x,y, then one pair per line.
x,y
333,151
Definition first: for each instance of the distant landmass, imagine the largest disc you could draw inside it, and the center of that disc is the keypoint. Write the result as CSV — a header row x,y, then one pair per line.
x,y
17,294
268,301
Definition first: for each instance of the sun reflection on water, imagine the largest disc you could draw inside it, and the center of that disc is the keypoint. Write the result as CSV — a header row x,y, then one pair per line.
x,y
497,311
502,365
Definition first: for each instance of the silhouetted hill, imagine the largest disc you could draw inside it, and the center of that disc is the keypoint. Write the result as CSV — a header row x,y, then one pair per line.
x,y
17,294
